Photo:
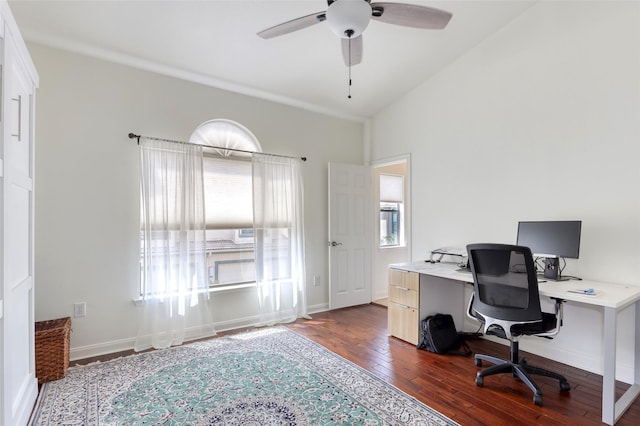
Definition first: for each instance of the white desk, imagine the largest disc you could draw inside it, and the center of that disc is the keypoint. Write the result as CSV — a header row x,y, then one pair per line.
x,y
613,298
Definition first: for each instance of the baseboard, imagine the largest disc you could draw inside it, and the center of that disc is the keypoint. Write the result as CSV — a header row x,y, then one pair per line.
x,y
380,295
546,349
383,301
99,349
314,309
581,360
23,402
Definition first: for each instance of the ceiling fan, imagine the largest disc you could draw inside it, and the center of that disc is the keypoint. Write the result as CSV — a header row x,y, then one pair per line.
x,y
349,18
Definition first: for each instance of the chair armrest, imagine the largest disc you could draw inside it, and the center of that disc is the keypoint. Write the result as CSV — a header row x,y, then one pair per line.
x,y
559,314
470,311
559,310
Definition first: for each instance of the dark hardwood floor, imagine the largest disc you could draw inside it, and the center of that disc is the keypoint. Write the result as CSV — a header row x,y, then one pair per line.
x,y
447,382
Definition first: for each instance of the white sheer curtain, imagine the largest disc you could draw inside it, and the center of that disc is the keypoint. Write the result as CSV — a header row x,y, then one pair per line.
x,y
175,298
279,238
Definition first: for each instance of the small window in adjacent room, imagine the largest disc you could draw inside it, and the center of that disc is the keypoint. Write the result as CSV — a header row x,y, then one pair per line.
x,y
389,215
391,210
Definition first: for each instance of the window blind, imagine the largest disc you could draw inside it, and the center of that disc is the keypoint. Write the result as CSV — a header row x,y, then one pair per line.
x,y
391,188
228,193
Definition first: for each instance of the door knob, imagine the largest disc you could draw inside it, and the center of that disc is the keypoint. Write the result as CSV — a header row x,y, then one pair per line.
x,y
333,244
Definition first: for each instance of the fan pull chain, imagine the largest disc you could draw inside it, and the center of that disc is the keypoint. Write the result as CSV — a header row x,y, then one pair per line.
x,y
349,95
349,34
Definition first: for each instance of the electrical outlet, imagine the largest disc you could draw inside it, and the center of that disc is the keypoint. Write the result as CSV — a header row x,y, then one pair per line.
x,y
316,280
79,309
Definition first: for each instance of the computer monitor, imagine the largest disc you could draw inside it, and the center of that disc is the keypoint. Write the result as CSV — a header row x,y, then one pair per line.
x,y
551,240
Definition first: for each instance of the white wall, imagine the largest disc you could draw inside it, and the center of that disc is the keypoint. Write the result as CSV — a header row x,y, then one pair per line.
x,y
87,208
539,122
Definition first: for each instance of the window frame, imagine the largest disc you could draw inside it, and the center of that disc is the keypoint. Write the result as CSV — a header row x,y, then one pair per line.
x,y
234,140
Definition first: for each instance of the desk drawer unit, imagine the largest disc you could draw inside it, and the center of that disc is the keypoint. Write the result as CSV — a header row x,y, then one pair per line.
x,y
403,305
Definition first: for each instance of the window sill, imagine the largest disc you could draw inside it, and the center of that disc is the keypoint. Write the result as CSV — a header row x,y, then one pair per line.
x,y
399,246
215,289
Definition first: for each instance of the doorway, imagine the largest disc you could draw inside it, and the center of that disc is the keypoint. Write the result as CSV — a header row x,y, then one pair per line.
x,y
391,202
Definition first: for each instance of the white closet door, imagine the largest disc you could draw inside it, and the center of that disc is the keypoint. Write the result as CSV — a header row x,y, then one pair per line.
x,y
19,384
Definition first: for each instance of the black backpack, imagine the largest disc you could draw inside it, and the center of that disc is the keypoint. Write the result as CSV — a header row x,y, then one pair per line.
x,y
438,334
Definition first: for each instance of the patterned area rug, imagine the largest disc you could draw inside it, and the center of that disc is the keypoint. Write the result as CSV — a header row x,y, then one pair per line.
x,y
267,377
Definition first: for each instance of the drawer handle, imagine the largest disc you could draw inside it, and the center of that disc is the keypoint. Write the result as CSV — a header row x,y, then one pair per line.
x,y
402,288
403,306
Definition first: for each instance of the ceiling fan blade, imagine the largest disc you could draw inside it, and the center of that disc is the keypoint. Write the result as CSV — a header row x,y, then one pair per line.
x,y
410,15
293,25
352,55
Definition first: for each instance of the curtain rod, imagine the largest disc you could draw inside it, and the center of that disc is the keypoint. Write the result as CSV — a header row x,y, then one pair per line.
x,y
134,136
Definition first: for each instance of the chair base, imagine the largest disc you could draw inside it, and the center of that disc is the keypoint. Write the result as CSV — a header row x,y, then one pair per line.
x,y
519,369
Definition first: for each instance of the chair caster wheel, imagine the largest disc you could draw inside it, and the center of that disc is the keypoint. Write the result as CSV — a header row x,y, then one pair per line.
x,y
479,381
478,362
537,399
565,386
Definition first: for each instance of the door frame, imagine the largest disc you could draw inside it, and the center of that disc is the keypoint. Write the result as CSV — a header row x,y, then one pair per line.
x,y
377,258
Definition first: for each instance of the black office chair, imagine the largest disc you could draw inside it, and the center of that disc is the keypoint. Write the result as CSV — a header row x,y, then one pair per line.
x,y
507,301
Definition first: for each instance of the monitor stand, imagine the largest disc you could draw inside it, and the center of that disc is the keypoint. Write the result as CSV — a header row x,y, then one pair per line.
x,y
552,269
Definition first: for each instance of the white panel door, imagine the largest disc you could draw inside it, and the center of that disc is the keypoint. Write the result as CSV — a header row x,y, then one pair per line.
x,y
19,385
350,235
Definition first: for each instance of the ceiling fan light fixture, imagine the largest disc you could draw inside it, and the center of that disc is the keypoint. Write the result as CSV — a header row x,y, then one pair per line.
x,y
348,18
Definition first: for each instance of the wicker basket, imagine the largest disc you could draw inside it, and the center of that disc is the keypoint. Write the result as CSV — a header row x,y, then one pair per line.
x,y
52,349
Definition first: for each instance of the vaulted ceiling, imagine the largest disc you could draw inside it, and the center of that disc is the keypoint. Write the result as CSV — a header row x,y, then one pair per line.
x,y
215,42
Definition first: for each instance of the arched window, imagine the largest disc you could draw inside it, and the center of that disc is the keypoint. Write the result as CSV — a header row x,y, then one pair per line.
x,y
228,200
222,133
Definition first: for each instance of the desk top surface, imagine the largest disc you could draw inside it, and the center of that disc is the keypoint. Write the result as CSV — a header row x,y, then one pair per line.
x,y
608,295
